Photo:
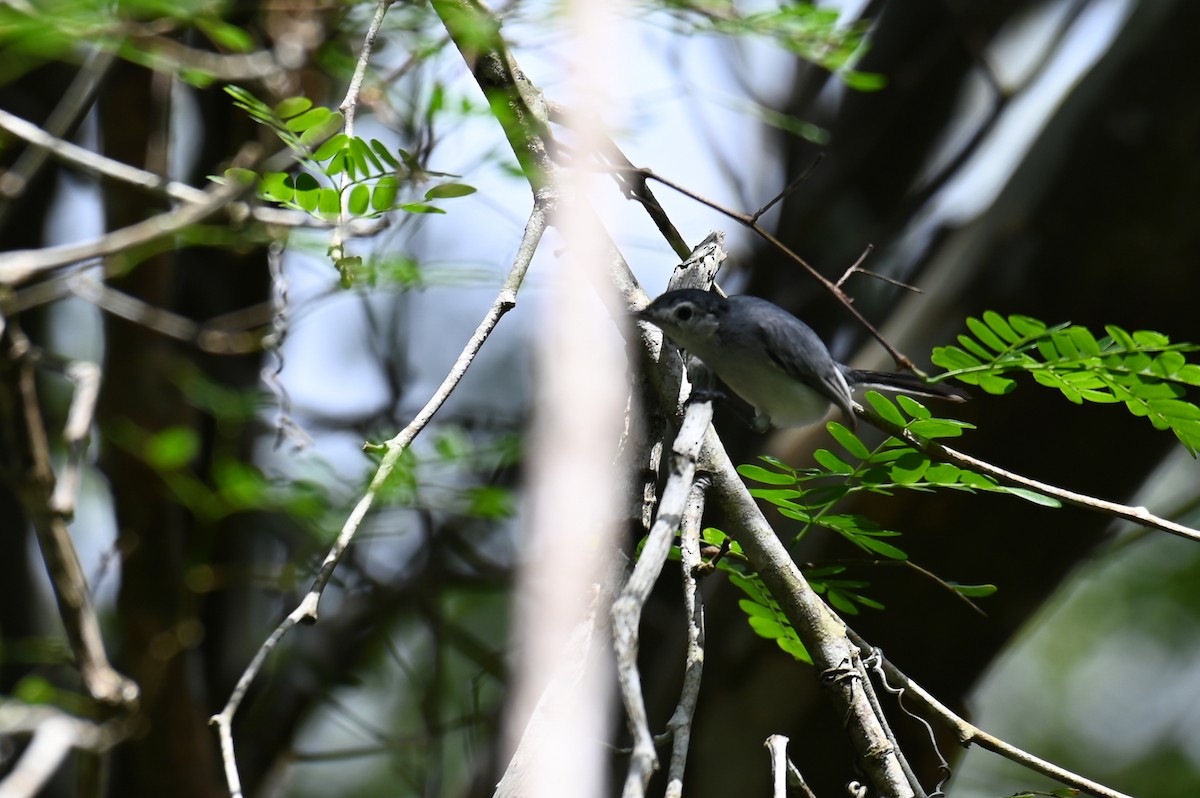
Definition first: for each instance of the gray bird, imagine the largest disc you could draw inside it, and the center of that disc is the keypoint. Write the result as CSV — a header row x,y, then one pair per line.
x,y
770,358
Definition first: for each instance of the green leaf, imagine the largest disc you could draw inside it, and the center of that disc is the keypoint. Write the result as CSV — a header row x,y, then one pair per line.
x,y
832,462
995,385
938,427
782,497
448,190
1032,496
996,323
973,591
333,146
277,186
1084,341
909,468
292,106
338,164
238,174
382,151
863,81
953,358
364,156
309,119
1120,337
841,601
329,202
1148,339
885,408
419,207
974,347
766,476
942,474
323,130
360,200
880,547
307,190
913,407
848,440
171,448
1025,326
984,333
383,196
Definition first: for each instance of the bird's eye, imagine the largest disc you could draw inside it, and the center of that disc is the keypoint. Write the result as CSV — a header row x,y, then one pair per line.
x,y
683,312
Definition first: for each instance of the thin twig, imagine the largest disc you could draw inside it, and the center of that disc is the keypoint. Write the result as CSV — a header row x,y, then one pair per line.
x,y
75,101
969,734
751,222
627,609
349,107
306,610
788,190
20,265
680,724
635,188
938,451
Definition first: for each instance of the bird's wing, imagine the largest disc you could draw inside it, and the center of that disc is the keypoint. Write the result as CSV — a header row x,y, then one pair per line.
x,y
799,352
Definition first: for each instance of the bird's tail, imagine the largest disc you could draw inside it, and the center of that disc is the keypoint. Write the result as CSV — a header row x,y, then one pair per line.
x,y
905,383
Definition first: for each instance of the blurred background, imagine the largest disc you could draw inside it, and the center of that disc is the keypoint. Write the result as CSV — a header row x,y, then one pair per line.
x,y
1028,156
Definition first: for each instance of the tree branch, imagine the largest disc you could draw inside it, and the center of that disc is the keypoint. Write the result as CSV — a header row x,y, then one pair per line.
x,y
1139,515
968,734
20,414
306,610
627,609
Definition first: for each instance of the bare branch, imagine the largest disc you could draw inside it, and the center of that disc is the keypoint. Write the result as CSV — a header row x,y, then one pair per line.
x,y
1139,515
969,734
20,415
627,609
823,634
306,610
680,724
783,770
20,265
54,734
751,221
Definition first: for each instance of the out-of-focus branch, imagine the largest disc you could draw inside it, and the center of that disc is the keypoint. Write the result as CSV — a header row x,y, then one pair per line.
x,y
54,733
20,414
20,265
516,103
74,103
306,610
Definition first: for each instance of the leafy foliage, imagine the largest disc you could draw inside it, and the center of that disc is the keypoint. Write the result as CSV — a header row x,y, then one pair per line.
x,y
33,33
817,35
1143,370
811,495
362,179
762,611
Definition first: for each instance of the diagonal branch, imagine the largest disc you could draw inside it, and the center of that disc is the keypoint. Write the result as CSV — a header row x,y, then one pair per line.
x,y
306,610
969,734
1139,515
